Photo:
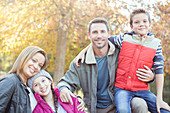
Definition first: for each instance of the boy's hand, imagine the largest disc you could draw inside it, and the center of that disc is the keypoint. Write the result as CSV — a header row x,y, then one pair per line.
x,y
162,104
65,95
145,75
78,57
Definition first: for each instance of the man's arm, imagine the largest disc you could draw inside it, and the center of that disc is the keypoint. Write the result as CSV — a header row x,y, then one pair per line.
x,y
145,75
68,83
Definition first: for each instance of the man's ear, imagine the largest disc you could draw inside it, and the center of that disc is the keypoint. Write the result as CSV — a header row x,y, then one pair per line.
x,y
88,35
131,26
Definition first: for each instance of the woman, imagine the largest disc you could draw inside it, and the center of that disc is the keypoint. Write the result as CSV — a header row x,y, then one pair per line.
x,y
48,97
14,93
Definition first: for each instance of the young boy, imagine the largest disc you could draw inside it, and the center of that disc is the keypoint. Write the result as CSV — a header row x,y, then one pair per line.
x,y
138,50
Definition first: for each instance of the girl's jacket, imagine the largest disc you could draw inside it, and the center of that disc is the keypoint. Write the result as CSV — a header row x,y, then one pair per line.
x,y
43,107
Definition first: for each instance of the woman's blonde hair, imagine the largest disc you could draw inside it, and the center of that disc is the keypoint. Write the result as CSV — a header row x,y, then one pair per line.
x,y
26,55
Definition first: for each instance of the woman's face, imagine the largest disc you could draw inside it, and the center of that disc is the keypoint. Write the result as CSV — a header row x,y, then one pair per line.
x,y
33,66
42,85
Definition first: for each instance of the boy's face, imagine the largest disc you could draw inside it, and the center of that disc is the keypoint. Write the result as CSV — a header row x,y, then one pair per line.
x,y
140,24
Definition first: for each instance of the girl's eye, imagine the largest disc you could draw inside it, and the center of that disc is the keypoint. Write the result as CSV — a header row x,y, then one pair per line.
x,y
35,85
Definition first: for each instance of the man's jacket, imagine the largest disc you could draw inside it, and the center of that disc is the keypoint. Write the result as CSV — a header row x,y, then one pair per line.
x,y
85,76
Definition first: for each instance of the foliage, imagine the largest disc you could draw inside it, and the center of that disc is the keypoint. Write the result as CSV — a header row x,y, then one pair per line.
x,y
46,23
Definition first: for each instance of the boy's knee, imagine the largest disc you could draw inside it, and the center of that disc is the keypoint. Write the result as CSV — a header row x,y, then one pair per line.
x,y
139,105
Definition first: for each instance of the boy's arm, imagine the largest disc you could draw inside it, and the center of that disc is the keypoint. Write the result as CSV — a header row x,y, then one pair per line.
x,y
116,40
81,56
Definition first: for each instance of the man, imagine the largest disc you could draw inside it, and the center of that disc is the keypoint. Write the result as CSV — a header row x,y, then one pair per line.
x,y
96,75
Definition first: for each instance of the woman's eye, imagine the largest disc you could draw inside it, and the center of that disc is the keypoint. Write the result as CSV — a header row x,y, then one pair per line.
x,y
33,60
40,66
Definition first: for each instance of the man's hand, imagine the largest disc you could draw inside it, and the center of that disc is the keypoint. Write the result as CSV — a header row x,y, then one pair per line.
x,y
162,104
145,75
65,96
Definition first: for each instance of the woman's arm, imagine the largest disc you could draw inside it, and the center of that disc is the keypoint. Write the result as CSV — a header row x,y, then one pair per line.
x,y
7,87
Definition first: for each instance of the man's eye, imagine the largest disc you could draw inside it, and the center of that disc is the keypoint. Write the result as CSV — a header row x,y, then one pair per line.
x,y
94,32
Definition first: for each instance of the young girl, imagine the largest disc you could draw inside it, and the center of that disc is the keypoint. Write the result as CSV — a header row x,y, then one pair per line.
x,y
48,97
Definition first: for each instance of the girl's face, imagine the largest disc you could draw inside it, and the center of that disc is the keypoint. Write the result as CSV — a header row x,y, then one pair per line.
x,y
33,66
42,85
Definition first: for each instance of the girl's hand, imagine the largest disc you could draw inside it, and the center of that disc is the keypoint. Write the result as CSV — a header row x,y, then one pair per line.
x,y
81,105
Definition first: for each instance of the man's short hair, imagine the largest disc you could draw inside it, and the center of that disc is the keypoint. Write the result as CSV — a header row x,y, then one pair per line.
x,y
98,20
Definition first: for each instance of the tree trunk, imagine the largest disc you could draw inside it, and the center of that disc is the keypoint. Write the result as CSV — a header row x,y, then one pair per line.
x,y
60,55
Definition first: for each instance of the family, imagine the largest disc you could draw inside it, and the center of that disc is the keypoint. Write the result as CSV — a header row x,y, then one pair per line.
x,y
113,73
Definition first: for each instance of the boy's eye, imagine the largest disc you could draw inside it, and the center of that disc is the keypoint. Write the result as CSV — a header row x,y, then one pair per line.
x,y
43,80
136,22
103,31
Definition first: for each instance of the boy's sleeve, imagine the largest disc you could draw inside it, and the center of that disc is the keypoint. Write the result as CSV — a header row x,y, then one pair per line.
x,y
158,61
116,40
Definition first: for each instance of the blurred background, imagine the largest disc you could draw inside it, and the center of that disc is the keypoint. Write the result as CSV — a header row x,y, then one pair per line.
x,y
60,28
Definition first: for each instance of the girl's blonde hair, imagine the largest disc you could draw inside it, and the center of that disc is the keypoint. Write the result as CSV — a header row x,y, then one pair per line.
x,y
26,55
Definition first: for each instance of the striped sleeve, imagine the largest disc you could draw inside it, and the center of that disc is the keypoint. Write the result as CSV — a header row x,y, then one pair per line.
x,y
116,40
158,61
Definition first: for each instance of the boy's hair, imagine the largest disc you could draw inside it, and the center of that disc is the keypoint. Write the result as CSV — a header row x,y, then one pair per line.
x,y
98,20
138,11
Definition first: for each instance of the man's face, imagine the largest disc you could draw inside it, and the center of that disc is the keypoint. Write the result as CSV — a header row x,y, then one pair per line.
x,y
140,24
99,35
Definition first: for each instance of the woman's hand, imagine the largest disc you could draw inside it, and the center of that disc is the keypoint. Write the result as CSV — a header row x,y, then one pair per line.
x,y
145,75
81,105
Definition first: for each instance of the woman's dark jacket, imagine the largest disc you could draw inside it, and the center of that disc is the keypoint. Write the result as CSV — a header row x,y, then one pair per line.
x,y
14,95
